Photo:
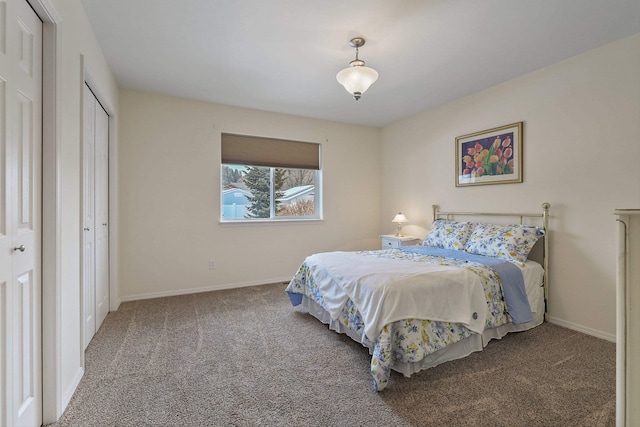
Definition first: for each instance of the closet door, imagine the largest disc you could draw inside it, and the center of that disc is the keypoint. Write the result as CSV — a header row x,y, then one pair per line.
x,y
88,216
20,214
102,214
95,215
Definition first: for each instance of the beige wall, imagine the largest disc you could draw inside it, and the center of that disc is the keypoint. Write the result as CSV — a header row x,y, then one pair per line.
x,y
581,153
169,172
76,48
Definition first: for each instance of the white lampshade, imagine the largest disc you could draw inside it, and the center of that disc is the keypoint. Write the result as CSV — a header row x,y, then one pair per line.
x,y
400,218
356,79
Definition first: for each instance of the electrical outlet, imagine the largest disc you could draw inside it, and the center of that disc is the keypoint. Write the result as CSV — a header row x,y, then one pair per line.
x,y
212,264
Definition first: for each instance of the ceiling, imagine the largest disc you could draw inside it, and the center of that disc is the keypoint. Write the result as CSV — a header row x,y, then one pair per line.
x,y
283,55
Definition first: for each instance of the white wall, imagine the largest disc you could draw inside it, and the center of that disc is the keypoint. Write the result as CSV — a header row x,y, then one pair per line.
x,y
581,153
169,170
77,51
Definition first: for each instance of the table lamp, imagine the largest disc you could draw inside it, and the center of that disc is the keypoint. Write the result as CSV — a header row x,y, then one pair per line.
x,y
399,219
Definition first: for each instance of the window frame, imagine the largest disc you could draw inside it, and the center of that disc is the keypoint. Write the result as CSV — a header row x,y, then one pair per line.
x,y
273,218
310,159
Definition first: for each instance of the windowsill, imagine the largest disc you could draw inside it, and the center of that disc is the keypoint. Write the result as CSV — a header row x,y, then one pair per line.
x,y
287,221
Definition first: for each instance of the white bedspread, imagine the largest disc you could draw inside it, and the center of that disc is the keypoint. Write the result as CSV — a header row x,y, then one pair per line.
x,y
387,290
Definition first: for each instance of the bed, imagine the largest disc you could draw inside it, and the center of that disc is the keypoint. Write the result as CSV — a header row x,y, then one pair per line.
x,y
415,307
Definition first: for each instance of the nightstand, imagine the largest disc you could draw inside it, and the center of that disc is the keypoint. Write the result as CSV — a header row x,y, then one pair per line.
x,y
391,241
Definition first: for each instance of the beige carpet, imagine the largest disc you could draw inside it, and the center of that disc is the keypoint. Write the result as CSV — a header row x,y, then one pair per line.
x,y
243,357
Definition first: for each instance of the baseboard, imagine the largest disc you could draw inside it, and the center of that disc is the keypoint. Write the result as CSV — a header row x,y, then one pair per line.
x,y
204,289
66,398
583,329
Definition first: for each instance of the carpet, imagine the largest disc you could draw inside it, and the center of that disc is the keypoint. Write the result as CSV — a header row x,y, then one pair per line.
x,y
243,357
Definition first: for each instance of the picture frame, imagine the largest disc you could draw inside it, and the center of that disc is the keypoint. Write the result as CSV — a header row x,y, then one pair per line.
x,y
492,156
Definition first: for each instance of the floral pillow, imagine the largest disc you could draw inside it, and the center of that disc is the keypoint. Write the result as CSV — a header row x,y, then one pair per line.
x,y
448,234
510,242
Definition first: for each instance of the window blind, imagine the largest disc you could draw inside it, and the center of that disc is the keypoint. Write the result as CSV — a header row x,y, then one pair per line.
x,y
271,152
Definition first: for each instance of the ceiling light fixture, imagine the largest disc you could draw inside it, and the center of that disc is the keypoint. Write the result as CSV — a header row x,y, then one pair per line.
x,y
357,78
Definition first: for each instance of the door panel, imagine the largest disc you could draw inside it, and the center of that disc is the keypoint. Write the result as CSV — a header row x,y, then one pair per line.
x,y
88,216
102,214
5,192
5,336
6,240
6,235
95,202
27,147
20,214
24,356
24,156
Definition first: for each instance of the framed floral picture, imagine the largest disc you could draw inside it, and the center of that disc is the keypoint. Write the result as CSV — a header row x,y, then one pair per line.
x,y
491,156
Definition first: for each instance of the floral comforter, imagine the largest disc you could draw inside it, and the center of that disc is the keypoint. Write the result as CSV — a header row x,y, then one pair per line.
x,y
408,340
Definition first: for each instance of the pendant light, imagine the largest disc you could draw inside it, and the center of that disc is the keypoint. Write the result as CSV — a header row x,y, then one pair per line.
x,y
357,78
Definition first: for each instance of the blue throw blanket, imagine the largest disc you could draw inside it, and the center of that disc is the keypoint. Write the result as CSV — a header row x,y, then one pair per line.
x,y
515,295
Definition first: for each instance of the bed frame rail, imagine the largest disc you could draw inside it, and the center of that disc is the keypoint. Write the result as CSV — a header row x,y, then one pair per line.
x,y
437,213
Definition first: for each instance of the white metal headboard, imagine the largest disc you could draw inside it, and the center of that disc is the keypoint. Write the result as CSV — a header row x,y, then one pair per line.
x,y
437,213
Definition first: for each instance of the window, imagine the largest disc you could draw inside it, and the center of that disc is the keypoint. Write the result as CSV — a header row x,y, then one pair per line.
x,y
269,179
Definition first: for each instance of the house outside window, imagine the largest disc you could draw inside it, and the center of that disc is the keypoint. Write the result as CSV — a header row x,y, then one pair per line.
x,y
266,179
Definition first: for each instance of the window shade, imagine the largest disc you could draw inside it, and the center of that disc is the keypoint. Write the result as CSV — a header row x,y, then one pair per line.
x,y
259,151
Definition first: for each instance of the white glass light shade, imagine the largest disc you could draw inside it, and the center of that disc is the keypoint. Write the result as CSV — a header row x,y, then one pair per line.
x,y
400,218
357,79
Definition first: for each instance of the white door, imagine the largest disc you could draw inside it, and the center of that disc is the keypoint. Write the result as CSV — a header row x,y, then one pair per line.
x,y
95,211
102,214
20,214
88,217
